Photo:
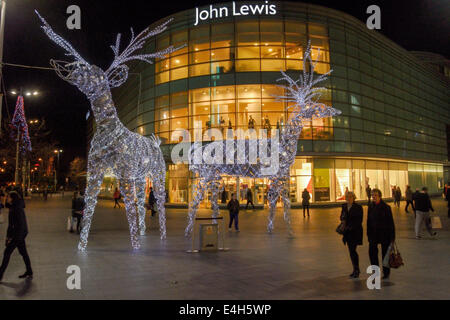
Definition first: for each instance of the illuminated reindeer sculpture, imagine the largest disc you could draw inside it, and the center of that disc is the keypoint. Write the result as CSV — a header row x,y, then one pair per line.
x,y
130,156
242,152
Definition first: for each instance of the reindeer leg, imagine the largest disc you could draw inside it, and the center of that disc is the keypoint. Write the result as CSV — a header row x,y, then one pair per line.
x,y
160,195
140,194
215,198
95,179
272,196
193,207
127,189
286,207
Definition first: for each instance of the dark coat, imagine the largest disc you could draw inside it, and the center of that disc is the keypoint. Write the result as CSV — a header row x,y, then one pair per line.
x,y
305,197
17,224
380,223
353,233
249,195
233,206
423,202
151,198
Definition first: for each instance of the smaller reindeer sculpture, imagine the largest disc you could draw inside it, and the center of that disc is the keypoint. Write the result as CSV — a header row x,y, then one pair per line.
x,y
130,156
303,96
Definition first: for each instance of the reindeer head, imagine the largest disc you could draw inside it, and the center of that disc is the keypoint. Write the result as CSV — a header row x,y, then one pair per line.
x,y
90,79
304,94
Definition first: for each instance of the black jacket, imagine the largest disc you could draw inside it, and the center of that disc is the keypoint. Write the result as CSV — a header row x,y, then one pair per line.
x,y
233,206
423,202
353,223
17,224
151,198
380,223
305,197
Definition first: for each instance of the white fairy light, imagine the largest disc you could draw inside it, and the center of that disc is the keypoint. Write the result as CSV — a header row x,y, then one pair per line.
x,y
305,97
129,156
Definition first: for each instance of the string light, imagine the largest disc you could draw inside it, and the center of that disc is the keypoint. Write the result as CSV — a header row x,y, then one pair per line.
x,y
19,123
127,155
304,96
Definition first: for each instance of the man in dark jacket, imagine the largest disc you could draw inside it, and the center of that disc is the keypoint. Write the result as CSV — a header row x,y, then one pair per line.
x,y
380,229
16,234
233,207
423,207
249,198
305,201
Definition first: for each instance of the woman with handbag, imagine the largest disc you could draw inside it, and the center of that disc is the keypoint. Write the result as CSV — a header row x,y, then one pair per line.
x,y
352,217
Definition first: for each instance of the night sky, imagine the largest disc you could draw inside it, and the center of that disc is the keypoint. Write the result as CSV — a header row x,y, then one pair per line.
x,y
413,24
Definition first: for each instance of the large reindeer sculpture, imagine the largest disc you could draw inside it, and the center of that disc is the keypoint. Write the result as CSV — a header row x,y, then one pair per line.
x,y
130,156
304,96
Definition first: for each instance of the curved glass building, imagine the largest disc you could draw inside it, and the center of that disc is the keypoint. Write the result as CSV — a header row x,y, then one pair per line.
x,y
392,130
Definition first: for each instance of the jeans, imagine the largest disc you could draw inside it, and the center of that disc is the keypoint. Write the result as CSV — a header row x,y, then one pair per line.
x,y
420,218
235,217
373,255
20,244
78,217
305,206
353,255
116,203
248,202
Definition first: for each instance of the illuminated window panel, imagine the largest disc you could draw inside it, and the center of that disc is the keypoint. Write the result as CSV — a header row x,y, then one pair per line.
x,y
294,52
162,65
272,52
223,106
179,61
221,54
164,136
249,91
247,52
162,77
221,41
249,105
272,65
200,108
244,117
199,95
200,56
161,126
199,45
271,39
269,91
199,69
179,73
306,133
222,93
178,111
162,114
177,136
322,68
179,123
222,67
195,121
248,65
272,105
162,101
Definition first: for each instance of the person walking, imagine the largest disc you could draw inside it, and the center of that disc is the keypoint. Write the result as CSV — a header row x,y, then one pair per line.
x,y
423,207
249,198
224,196
380,229
352,214
415,195
45,193
16,234
77,210
409,198
233,208
398,196
369,193
152,201
116,197
305,202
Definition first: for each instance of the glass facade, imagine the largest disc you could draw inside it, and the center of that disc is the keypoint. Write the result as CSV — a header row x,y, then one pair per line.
x,y
394,110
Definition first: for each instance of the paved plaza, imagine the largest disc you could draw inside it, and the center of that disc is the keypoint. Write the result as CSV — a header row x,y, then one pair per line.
x,y
312,265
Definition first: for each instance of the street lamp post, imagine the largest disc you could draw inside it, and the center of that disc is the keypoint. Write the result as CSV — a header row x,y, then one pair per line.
x,y
57,152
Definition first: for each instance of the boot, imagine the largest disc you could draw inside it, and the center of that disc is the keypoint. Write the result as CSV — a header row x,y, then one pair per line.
x,y
26,275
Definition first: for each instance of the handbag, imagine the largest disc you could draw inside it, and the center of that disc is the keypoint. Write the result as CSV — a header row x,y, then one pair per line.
x,y
395,258
341,228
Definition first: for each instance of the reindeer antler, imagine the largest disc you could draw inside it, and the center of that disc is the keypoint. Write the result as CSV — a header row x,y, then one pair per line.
x,y
60,41
137,43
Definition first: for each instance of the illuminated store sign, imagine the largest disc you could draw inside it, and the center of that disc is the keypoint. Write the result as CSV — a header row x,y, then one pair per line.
x,y
237,10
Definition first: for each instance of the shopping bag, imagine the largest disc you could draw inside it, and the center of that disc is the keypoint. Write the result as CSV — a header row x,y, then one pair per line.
x,y
386,257
395,258
435,223
69,223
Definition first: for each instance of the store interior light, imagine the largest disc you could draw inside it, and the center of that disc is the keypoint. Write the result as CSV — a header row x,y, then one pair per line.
x,y
28,93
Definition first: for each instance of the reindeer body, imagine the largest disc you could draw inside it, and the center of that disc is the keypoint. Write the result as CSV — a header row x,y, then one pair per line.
x,y
304,95
130,156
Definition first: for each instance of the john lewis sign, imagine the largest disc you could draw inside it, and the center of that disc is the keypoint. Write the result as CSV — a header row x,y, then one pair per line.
x,y
236,10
